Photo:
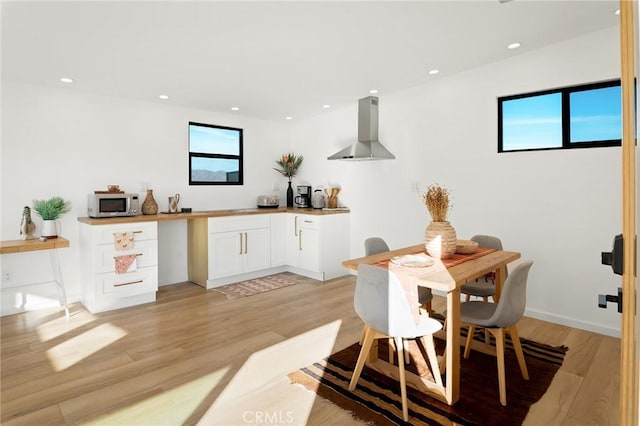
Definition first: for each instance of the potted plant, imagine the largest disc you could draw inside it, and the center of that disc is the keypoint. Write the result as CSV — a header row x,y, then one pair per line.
x,y
440,237
288,167
50,211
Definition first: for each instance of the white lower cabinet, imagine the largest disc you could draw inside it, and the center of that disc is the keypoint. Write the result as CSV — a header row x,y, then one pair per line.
x,y
102,288
317,244
237,245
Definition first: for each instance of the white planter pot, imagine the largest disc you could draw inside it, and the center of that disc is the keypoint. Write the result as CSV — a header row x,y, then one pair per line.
x,y
50,229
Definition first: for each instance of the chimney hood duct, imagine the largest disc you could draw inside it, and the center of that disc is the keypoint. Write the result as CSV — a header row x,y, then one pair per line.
x,y
368,146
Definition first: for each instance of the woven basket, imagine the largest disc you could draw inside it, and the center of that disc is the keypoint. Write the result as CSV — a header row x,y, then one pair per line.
x,y
440,240
466,246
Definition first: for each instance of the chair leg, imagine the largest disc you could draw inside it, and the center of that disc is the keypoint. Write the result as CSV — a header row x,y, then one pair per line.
x,y
515,339
502,385
467,347
403,381
468,297
369,334
433,358
364,331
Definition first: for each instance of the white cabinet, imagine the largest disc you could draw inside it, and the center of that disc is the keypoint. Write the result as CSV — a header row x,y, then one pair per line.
x,y
317,244
102,288
238,245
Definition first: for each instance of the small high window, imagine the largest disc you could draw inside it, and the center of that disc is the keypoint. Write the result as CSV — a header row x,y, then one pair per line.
x,y
589,115
215,155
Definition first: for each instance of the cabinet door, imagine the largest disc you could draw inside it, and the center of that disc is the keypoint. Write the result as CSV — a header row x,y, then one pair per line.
x,y
309,249
225,254
293,227
256,250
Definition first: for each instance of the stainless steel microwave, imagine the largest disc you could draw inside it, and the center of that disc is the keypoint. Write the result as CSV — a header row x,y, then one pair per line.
x,y
113,205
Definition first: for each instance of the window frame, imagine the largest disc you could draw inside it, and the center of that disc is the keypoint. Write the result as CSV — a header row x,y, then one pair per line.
x,y
239,157
565,117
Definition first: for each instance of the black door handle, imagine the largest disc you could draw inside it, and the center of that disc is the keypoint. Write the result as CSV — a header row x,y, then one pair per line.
x,y
615,258
604,298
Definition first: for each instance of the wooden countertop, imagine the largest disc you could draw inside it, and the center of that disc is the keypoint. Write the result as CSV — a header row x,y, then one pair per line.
x,y
19,246
205,214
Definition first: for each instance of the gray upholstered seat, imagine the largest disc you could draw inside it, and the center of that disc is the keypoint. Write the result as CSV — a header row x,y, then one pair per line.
x,y
375,245
500,318
483,287
380,301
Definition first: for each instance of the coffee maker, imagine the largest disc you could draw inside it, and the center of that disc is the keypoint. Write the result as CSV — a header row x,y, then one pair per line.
x,y
303,199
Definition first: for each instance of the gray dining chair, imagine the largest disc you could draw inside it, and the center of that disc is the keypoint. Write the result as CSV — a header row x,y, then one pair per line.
x,y
381,303
374,245
499,319
484,286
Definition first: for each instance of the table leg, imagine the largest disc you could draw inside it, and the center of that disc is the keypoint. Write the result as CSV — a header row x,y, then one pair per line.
x,y
57,276
500,277
453,347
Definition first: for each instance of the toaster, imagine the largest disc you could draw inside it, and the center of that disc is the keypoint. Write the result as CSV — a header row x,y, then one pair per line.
x,y
268,201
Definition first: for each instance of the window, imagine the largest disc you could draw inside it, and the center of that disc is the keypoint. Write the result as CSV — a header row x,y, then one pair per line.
x,y
215,155
589,115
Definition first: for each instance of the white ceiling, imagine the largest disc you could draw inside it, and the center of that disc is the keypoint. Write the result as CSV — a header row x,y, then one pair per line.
x,y
274,59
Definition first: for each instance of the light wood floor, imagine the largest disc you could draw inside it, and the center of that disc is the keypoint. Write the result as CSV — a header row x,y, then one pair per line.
x,y
195,357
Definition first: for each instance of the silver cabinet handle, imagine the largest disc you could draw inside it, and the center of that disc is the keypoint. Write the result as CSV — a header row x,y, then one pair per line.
x,y
240,233
246,243
295,228
300,240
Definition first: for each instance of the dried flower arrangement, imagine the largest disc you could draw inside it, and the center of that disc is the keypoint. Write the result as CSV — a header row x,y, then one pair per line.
x,y
289,164
437,200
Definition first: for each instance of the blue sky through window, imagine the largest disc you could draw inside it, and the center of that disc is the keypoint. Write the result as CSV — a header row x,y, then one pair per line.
x,y
532,122
596,115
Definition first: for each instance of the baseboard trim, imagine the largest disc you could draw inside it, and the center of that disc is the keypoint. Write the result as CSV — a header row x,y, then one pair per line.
x,y
572,322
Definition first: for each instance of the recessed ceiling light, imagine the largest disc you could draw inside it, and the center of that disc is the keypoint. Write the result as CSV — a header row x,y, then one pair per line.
x,y
373,91
164,97
513,46
288,117
433,72
325,106
66,80
617,12
235,109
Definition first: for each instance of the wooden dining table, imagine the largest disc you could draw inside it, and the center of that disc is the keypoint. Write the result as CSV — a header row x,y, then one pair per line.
x,y
448,279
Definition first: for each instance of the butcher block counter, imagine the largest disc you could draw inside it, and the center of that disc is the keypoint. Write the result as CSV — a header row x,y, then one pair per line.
x,y
206,214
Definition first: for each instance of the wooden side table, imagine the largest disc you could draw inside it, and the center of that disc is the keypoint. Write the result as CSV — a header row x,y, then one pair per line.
x,y
21,246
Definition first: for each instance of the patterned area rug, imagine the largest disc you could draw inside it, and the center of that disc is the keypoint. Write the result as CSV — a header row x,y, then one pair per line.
x,y
259,285
376,398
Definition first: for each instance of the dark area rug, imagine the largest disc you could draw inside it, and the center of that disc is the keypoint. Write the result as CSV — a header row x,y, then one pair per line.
x,y
377,397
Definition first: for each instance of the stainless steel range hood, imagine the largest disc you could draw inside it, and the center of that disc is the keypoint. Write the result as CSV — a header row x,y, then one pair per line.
x,y
368,146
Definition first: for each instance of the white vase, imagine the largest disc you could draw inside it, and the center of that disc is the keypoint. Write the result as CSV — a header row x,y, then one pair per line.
x,y
50,229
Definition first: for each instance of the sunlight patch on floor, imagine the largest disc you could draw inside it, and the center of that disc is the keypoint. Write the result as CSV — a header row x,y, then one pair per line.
x,y
61,325
263,377
173,407
77,348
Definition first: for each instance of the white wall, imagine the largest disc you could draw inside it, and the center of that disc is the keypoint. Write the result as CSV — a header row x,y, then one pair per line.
x,y
558,208
61,142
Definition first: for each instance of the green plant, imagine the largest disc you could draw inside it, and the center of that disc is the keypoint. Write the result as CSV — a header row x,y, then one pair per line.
x,y
289,164
52,208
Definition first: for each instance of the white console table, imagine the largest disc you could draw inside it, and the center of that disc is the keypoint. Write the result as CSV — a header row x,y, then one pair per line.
x,y
53,244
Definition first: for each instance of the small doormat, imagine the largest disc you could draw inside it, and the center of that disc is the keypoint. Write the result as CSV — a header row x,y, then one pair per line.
x,y
259,285
376,398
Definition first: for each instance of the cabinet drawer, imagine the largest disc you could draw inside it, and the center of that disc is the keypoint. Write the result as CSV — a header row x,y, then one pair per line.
x,y
238,223
307,222
105,255
142,231
144,280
